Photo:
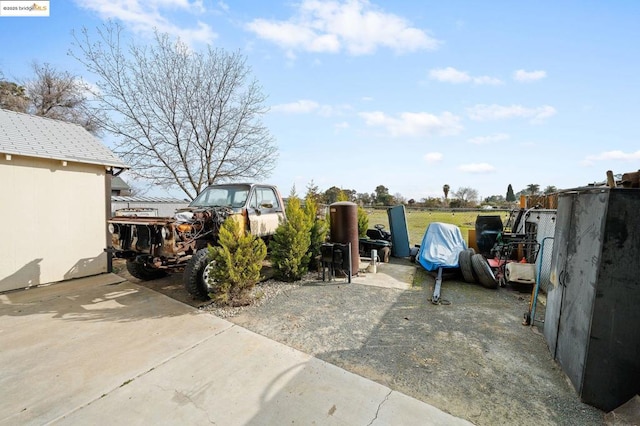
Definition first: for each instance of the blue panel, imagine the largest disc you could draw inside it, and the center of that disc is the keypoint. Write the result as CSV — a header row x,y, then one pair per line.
x,y
399,232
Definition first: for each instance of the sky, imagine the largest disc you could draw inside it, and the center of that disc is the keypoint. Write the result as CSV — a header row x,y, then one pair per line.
x,y
407,94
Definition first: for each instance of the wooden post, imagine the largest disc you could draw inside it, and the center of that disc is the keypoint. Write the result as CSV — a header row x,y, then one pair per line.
x,y
611,183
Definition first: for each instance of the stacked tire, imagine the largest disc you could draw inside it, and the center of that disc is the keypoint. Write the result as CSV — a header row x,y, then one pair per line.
x,y
476,269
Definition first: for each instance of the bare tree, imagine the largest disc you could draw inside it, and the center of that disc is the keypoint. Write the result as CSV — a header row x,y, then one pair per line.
x,y
466,195
12,96
59,95
181,118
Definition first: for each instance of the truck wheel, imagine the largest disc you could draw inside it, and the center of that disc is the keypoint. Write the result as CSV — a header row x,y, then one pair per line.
x,y
466,267
196,274
143,272
483,271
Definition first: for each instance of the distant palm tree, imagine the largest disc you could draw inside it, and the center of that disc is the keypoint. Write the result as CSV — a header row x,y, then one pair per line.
x,y
445,189
550,189
533,188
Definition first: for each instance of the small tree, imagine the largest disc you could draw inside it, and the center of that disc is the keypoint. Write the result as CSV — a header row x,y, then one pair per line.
x,y
511,197
318,233
342,196
363,222
290,244
313,192
238,262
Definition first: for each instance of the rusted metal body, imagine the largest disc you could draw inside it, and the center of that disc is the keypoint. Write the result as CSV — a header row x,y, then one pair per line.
x,y
169,243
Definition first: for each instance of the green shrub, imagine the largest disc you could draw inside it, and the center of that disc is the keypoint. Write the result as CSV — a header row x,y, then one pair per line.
x,y
290,243
318,233
363,222
238,262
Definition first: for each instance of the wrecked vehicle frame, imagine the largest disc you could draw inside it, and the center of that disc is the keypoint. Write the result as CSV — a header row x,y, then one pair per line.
x,y
155,246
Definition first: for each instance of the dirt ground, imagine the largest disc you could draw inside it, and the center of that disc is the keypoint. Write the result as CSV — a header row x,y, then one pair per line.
x,y
472,357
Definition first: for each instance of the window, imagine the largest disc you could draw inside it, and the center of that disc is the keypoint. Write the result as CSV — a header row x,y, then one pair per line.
x,y
264,198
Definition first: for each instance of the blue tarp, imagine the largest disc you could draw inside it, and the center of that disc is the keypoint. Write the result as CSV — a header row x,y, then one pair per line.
x,y
441,245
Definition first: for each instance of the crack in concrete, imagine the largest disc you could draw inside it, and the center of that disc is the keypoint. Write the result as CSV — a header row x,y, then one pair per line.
x,y
386,398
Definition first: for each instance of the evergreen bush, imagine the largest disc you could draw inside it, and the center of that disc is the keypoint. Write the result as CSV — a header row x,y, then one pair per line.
x,y
363,222
290,244
318,232
238,261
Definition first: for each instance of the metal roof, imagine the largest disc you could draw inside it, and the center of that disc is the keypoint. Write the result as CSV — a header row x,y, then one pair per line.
x,y
131,199
40,137
118,183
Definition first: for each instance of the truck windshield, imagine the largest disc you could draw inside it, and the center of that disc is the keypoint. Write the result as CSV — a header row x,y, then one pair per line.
x,y
222,196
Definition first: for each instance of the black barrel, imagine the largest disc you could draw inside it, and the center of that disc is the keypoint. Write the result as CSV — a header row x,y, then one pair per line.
x,y
344,229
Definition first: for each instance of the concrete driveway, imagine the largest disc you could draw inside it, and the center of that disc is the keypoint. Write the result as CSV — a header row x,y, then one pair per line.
x,y
102,350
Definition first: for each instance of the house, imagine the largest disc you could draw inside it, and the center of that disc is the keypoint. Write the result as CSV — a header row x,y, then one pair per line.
x,y
119,187
55,196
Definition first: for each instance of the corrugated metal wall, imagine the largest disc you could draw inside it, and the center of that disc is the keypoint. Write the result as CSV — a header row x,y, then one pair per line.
x,y
166,207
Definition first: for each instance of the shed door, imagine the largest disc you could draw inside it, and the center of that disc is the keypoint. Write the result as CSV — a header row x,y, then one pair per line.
x,y
574,272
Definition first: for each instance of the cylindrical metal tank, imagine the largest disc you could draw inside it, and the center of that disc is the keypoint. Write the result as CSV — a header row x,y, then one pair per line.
x,y
344,229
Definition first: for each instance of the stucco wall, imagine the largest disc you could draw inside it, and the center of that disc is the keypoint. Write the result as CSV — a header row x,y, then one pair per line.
x,y
52,221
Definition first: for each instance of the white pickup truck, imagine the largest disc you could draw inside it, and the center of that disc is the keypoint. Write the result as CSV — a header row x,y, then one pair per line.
x,y
155,246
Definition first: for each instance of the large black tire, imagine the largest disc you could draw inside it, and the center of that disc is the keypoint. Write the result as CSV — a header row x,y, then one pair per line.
x,y
194,275
483,271
464,260
142,272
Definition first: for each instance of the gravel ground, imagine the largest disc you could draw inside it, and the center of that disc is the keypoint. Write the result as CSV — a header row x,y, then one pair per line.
x,y
472,358
262,293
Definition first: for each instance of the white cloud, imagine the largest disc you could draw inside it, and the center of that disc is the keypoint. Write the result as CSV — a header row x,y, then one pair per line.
x,y
528,76
306,106
145,16
477,168
355,26
484,79
481,140
449,75
452,75
303,106
616,155
433,157
482,112
341,125
414,123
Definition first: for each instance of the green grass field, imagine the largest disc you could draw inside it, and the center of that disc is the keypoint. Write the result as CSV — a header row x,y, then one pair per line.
x,y
419,220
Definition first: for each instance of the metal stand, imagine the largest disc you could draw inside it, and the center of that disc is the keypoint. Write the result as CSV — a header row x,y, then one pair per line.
x,y
530,317
333,257
435,299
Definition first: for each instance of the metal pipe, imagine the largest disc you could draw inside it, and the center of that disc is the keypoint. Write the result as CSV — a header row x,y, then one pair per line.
x,y
374,260
538,275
